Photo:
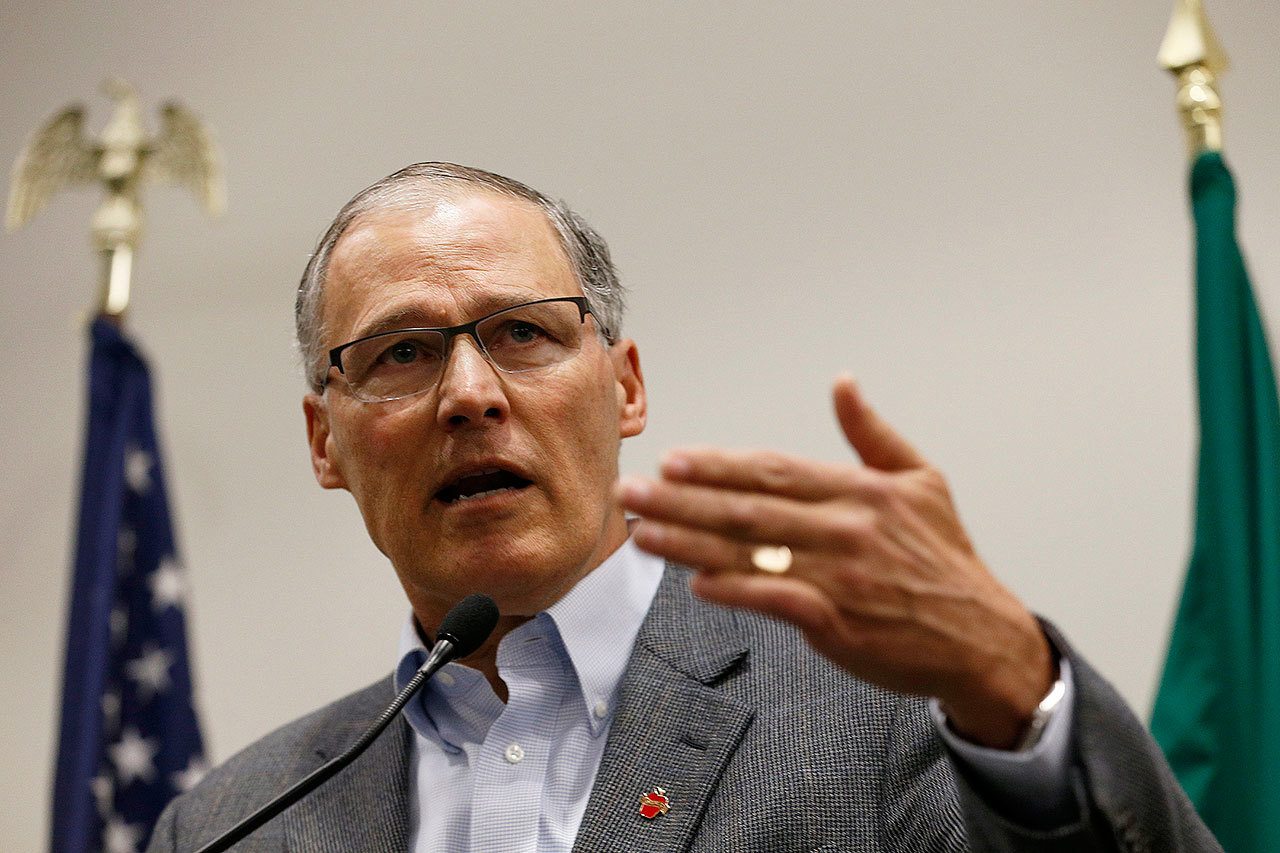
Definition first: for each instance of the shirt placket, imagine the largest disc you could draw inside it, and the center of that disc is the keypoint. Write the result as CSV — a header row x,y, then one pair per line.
x,y
510,774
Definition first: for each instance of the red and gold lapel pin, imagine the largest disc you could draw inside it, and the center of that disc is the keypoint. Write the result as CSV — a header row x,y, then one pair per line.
x,y
654,803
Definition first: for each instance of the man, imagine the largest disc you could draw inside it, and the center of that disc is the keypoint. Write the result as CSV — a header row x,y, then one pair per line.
x,y
470,389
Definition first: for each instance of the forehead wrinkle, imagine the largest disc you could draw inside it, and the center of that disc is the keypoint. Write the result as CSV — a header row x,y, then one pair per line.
x,y
417,315
371,257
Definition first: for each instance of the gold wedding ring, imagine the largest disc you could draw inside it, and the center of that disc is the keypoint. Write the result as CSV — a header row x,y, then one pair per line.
x,y
774,559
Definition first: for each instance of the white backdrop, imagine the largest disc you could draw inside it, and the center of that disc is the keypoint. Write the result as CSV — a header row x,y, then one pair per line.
x,y
978,208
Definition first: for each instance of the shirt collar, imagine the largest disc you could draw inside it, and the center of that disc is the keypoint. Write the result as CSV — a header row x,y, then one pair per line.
x,y
456,706
597,620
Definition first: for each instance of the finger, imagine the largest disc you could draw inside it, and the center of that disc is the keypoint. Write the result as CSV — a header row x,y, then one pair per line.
x,y
710,553
879,444
760,471
745,517
786,598
694,548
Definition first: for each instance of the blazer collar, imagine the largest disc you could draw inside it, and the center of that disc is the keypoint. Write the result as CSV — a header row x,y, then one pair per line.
x,y
701,640
368,810
674,728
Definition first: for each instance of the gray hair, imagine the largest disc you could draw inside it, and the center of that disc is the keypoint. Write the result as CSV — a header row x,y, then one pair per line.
x,y
423,183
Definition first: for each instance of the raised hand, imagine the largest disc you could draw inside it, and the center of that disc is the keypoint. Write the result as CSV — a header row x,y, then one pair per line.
x,y
879,573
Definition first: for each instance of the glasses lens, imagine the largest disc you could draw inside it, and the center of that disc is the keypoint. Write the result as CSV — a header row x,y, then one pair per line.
x,y
531,336
394,365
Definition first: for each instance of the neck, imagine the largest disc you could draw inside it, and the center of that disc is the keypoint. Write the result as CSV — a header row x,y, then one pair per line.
x,y
485,658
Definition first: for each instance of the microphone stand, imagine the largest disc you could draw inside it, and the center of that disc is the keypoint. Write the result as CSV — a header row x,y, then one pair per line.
x,y
441,653
464,629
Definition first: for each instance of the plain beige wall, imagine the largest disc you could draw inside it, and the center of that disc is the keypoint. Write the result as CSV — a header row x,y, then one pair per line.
x,y
976,207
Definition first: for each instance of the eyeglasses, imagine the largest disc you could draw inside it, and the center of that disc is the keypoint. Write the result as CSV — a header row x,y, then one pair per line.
x,y
402,363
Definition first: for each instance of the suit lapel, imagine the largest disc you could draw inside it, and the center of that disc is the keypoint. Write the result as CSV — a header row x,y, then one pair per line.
x,y
366,806
673,728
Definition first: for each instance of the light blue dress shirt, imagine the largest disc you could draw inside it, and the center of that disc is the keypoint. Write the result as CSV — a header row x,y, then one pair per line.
x,y
515,778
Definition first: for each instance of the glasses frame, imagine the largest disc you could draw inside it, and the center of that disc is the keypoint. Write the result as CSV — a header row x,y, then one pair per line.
x,y
449,333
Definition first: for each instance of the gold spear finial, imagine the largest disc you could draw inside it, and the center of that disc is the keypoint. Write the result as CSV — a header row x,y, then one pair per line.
x,y
1192,53
123,157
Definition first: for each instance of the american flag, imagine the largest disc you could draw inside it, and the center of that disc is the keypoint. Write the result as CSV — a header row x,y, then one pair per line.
x,y
129,739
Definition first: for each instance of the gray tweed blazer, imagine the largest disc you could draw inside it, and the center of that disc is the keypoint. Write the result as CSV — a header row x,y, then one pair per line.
x,y
759,743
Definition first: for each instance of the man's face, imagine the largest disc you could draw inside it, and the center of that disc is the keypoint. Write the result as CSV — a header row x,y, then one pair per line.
x,y
557,428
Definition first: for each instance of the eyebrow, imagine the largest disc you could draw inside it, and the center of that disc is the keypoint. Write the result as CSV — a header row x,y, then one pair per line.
x,y
414,317
401,318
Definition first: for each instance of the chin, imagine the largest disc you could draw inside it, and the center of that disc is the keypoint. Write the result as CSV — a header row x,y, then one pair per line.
x,y
523,578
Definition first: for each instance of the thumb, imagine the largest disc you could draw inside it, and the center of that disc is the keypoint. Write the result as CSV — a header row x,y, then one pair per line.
x,y
879,444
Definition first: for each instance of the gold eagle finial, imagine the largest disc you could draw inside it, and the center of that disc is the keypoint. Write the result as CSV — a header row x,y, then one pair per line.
x,y
59,155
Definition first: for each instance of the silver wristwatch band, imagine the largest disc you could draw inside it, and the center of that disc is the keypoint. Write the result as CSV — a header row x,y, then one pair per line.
x,y
1042,715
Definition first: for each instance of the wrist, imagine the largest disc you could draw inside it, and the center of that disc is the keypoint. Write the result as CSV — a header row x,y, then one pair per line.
x,y
1008,705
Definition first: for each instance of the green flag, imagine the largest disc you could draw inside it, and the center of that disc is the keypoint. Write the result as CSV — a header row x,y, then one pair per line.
x,y
1217,715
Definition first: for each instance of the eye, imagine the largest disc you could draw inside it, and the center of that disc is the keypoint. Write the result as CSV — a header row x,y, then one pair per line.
x,y
403,352
524,333
410,351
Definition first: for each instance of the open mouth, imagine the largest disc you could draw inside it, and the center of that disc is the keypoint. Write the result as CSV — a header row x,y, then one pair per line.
x,y
480,484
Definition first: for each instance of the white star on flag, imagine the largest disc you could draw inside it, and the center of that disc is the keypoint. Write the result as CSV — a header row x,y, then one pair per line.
x,y
134,757
104,792
167,585
150,672
185,780
121,837
137,470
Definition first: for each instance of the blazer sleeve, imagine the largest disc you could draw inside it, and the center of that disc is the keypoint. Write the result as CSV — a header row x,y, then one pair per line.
x,y
1127,796
162,836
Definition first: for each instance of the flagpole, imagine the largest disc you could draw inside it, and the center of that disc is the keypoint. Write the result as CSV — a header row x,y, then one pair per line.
x,y
1192,53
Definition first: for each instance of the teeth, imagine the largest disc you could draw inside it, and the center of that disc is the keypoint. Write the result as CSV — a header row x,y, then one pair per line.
x,y
462,498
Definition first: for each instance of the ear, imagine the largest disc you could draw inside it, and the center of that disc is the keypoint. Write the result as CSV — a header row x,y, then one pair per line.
x,y
632,404
323,458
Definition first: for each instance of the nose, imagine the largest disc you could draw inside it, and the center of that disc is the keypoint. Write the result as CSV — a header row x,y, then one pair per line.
x,y
470,392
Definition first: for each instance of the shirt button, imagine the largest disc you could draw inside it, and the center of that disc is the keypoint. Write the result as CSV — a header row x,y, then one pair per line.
x,y
601,709
514,754
445,678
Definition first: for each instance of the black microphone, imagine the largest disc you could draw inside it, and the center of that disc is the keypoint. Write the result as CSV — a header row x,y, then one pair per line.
x,y
464,629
